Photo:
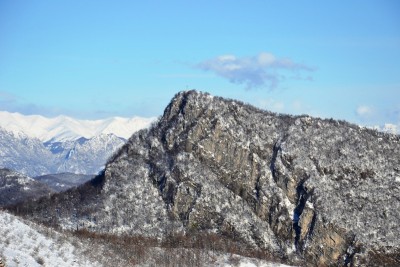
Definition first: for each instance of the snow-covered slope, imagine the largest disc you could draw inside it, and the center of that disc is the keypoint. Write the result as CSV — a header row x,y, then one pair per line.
x,y
63,128
23,245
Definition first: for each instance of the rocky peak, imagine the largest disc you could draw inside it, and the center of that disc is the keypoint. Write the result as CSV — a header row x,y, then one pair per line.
x,y
321,191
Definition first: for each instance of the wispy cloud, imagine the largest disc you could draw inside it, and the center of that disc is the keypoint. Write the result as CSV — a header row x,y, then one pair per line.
x,y
261,71
364,111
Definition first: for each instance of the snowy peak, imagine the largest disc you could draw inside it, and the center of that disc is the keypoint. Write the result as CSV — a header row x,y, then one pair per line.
x,y
63,128
122,127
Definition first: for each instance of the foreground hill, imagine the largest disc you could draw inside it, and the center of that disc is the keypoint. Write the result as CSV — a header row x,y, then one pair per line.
x,y
324,192
23,243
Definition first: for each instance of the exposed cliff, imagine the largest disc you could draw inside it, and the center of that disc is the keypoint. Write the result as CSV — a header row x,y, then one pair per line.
x,y
323,191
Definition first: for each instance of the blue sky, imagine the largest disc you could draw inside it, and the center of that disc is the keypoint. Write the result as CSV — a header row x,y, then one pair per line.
x,y
96,59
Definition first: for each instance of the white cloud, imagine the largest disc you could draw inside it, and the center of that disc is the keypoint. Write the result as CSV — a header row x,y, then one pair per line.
x,y
262,70
266,58
364,111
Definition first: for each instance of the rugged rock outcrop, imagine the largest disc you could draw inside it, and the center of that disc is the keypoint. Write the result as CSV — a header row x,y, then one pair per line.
x,y
322,191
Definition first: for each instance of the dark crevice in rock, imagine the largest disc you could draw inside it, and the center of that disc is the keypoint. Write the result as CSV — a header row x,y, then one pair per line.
x,y
302,197
350,252
185,216
166,187
257,189
272,166
161,182
312,226
168,191
183,105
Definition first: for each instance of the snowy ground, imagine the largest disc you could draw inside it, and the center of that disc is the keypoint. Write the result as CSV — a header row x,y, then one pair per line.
x,y
24,243
239,261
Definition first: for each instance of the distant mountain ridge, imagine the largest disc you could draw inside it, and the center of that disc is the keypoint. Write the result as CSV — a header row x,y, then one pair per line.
x,y
35,145
63,128
32,157
24,154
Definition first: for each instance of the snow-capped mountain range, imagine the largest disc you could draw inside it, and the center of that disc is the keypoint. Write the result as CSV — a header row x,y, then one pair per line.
x,y
35,145
63,128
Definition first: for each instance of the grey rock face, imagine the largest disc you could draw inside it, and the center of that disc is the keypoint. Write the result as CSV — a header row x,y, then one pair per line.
x,y
322,191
